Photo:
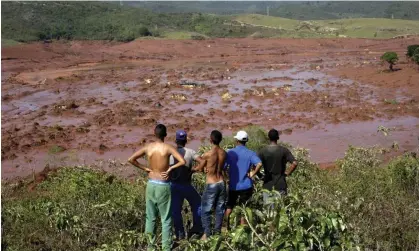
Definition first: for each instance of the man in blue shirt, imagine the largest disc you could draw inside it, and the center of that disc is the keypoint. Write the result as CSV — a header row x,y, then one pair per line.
x,y
240,161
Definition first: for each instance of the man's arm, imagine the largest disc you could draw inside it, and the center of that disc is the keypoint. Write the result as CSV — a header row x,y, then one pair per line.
x,y
256,170
200,167
178,157
257,163
133,159
294,163
292,168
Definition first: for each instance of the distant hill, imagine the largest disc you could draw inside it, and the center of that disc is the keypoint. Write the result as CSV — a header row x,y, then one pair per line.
x,y
295,10
354,27
33,21
29,21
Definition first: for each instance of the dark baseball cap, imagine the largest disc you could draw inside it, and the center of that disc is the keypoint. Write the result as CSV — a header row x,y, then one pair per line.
x,y
181,135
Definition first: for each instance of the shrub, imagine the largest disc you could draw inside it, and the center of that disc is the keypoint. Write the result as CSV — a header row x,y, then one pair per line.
x,y
144,32
292,223
405,171
416,56
411,50
125,36
391,58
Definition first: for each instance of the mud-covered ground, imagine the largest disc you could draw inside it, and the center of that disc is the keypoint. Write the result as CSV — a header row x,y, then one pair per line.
x,y
80,102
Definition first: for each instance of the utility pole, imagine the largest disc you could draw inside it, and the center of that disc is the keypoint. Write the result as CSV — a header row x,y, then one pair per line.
x,y
267,11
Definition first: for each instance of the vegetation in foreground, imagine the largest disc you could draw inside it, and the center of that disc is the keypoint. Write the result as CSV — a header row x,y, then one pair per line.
x,y
362,204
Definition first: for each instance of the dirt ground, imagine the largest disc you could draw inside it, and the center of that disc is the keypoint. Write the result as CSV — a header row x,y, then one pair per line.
x,y
84,102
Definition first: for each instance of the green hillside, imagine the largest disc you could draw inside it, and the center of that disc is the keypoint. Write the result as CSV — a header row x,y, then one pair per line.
x,y
357,27
29,21
33,21
301,10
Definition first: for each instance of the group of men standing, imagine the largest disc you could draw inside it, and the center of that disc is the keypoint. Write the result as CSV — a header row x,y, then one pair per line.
x,y
170,174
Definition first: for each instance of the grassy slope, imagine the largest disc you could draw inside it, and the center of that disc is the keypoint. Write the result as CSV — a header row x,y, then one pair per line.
x,y
358,27
8,42
301,10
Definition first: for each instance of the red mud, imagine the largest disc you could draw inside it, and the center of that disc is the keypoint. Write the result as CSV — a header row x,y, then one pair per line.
x,y
100,101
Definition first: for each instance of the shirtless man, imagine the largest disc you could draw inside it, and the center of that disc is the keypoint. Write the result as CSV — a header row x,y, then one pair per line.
x,y
158,194
215,190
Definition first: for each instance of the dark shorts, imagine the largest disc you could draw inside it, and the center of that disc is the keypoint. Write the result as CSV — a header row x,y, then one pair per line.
x,y
238,197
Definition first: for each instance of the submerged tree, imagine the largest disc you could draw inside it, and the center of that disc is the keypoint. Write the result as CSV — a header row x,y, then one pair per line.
x,y
391,58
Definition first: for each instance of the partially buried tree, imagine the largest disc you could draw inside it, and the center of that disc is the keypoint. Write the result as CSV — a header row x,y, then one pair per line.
x,y
391,58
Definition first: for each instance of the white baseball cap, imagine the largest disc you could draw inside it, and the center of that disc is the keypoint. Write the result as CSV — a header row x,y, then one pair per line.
x,y
241,136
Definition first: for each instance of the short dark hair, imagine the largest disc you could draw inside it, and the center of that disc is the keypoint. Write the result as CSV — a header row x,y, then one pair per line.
x,y
216,137
273,135
160,131
242,142
181,142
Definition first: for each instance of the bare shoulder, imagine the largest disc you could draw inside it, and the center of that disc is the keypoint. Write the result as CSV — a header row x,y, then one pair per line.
x,y
169,147
206,155
221,152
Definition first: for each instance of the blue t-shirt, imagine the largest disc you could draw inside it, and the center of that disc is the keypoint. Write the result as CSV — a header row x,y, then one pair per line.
x,y
240,159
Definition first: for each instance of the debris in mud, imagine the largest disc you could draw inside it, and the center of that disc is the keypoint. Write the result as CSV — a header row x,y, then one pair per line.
x,y
158,105
260,92
226,96
312,81
82,129
287,87
190,85
287,131
56,149
180,97
65,106
123,115
102,147
148,81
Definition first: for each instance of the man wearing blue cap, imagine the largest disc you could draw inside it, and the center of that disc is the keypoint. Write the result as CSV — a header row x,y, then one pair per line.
x,y
182,188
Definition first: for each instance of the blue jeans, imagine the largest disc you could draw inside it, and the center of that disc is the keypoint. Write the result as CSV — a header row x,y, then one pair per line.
x,y
180,192
214,196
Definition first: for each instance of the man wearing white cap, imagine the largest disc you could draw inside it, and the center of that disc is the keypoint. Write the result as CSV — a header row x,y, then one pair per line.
x,y
240,161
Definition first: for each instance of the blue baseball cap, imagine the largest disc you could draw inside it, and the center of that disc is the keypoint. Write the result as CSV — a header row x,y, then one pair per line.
x,y
181,135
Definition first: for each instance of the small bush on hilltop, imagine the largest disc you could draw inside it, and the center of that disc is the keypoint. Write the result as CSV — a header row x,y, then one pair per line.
x,y
391,58
411,50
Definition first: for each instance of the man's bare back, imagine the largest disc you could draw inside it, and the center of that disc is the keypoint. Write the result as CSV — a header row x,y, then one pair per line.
x,y
213,164
158,154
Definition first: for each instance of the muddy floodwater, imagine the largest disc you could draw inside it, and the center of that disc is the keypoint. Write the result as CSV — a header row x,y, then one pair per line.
x,y
81,103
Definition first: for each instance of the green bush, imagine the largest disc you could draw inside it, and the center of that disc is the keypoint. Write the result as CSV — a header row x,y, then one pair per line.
x,y
125,36
411,50
291,223
144,32
416,56
405,171
391,58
